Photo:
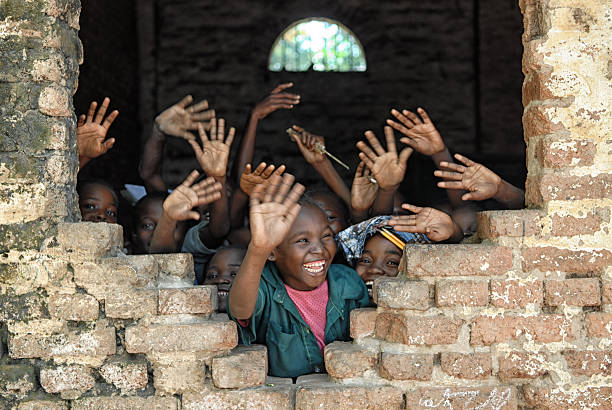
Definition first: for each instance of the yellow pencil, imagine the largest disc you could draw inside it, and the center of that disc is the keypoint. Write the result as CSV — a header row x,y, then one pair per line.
x,y
393,238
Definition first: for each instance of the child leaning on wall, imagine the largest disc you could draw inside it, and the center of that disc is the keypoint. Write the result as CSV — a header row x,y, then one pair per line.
x,y
287,294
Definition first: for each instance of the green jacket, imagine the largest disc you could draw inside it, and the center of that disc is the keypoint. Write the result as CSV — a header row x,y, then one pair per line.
x,y
276,322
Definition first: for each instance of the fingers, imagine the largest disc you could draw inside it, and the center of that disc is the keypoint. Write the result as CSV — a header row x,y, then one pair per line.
x,y
359,171
412,208
108,144
109,120
267,171
202,133
424,115
193,215
409,141
281,87
291,201
448,175
201,106
404,155
465,160
452,166
279,171
365,149
270,188
450,185
191,178
230,136
203,116
298,128
92,111
185,101
374,142
81,120
213,128
196,147
260,168
220,130
102,111
398,127
390,137
284,187
188,136
363,157
401,118
469,196
412,117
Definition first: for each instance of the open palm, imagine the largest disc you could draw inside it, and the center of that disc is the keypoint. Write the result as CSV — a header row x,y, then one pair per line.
x,y
92,129
180,203
214,153
480,181
437,225
363,191
420,134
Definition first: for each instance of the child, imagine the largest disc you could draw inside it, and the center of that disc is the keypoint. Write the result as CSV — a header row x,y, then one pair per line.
x,y
287,294
334,208
91,132
222,270
98,202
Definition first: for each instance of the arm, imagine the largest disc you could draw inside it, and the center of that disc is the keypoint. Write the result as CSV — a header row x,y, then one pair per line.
x,y
388,168
321,163
177,121
212,157
363,194
437,225
273,208
480,182
421,134
179,207
275,101
91,132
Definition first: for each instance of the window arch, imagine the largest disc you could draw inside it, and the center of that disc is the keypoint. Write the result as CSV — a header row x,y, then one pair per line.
x,y
318,43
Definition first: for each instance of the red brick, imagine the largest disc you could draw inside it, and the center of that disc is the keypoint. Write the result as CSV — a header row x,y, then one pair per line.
x,y
535,86
417,330
514,294
200,300
345,359
462,293
244,366
406,366
334,396
551,187
466,366
397,293
559,153
67,379
495,397
73,307
549,258
493,224
568,225
456,260
363,322
487,330
606,291
588,363
573,292
199,336
557,399
539,120
521,365
599,324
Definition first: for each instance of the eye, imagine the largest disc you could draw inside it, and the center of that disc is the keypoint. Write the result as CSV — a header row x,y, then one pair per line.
x,y
302,241
364,261
331,218
147,227
211,276
110,212
233,273
89,206
393,263
327,235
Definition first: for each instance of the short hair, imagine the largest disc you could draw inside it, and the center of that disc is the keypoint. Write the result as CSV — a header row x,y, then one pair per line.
x,y
82,184
161,195
325,191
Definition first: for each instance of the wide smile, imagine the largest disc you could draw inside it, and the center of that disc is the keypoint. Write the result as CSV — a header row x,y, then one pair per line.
x,y
369,284
315,268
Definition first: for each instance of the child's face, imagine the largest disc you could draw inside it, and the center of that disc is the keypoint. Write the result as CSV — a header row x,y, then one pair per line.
x,y
379,258
335,213
222,270
98,204
305,254
148,214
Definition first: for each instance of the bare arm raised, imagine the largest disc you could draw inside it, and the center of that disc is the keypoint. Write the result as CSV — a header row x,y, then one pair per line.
x,y
437,225
91,132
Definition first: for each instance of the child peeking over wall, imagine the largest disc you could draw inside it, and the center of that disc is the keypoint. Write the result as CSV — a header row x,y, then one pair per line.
x,y
287,294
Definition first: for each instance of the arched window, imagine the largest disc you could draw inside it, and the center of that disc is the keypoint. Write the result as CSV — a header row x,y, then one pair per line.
x,y
317,43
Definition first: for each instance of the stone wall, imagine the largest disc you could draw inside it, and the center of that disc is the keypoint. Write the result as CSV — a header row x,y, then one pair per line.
x,y
521,320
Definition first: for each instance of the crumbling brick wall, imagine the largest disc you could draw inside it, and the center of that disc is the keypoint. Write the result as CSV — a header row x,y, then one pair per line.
x,y
523,319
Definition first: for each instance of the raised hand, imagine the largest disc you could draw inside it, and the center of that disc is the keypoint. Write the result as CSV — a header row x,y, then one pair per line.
x,y
273,209
420,133
275,101
437,225
387,167
179,119
363,191
91,132
480,181
180,203
250,179
307,145
214,153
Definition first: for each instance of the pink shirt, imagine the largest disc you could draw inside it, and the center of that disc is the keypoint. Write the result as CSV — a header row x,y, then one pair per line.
x,y
312,305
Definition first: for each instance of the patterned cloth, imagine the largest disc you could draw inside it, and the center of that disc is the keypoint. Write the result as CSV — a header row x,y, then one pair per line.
x,y
352,240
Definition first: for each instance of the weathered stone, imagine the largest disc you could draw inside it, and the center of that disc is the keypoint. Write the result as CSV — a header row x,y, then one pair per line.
x,y
363,322
550,187
557,399
334,396
589,362
456,260
466,366
585,224
486,330
573,292
417,330
496,397
17,380
125,374
179,373
126,403
521,365
515,294
397,293
453,293
130,304
599,324
493,224
345,359
176,265
559,153
277,397
71,381
73,307
406,366
196,300
86,240
55,101
548,258
43,404
244,366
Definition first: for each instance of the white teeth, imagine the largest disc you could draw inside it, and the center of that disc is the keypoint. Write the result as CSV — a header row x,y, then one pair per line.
x,y
369,283
222,292
314,267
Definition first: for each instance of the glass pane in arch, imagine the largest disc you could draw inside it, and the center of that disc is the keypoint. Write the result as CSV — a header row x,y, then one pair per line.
x,y
319,44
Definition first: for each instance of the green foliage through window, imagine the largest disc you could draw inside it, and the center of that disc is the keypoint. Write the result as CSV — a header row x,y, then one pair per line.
x,y
318,44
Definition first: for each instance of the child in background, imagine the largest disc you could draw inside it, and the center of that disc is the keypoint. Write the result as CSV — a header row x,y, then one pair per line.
x,y
98,202
287,294
334,208
222,270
